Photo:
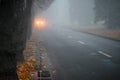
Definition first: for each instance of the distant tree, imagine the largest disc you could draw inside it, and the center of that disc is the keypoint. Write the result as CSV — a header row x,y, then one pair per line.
x,y
108,11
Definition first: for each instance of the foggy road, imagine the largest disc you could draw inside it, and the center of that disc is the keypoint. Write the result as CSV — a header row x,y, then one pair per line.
x,y
80,56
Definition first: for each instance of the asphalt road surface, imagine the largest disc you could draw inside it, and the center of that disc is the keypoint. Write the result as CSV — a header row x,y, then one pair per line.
x,y
81,56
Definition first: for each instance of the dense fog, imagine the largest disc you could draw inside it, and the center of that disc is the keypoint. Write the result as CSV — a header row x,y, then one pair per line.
x,y
69,12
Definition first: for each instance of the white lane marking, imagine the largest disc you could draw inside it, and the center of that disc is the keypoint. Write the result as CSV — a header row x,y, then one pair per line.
x,y
105,54
69,36
81,42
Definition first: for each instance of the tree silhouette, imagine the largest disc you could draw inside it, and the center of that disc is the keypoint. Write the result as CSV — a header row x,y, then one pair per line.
x,y
108,11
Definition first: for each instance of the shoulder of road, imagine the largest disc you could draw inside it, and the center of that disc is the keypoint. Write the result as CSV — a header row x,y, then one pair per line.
x,y
112,34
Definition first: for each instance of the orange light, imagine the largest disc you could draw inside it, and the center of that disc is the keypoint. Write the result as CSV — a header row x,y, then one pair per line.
x,y
39,22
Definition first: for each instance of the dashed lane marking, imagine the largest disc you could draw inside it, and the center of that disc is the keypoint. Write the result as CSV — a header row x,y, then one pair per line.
x,y
81,42
105,54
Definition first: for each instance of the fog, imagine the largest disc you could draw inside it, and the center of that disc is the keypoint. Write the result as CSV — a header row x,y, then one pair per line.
x,y
78,47
58,12
82,11
69,12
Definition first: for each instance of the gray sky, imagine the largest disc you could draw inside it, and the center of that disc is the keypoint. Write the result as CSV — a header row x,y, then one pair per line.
x,y
58,12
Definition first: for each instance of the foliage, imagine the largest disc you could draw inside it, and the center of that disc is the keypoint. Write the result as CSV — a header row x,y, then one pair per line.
x,y
108,11
24,69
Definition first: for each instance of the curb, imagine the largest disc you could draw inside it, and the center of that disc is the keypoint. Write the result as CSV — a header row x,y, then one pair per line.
x,y
118,40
